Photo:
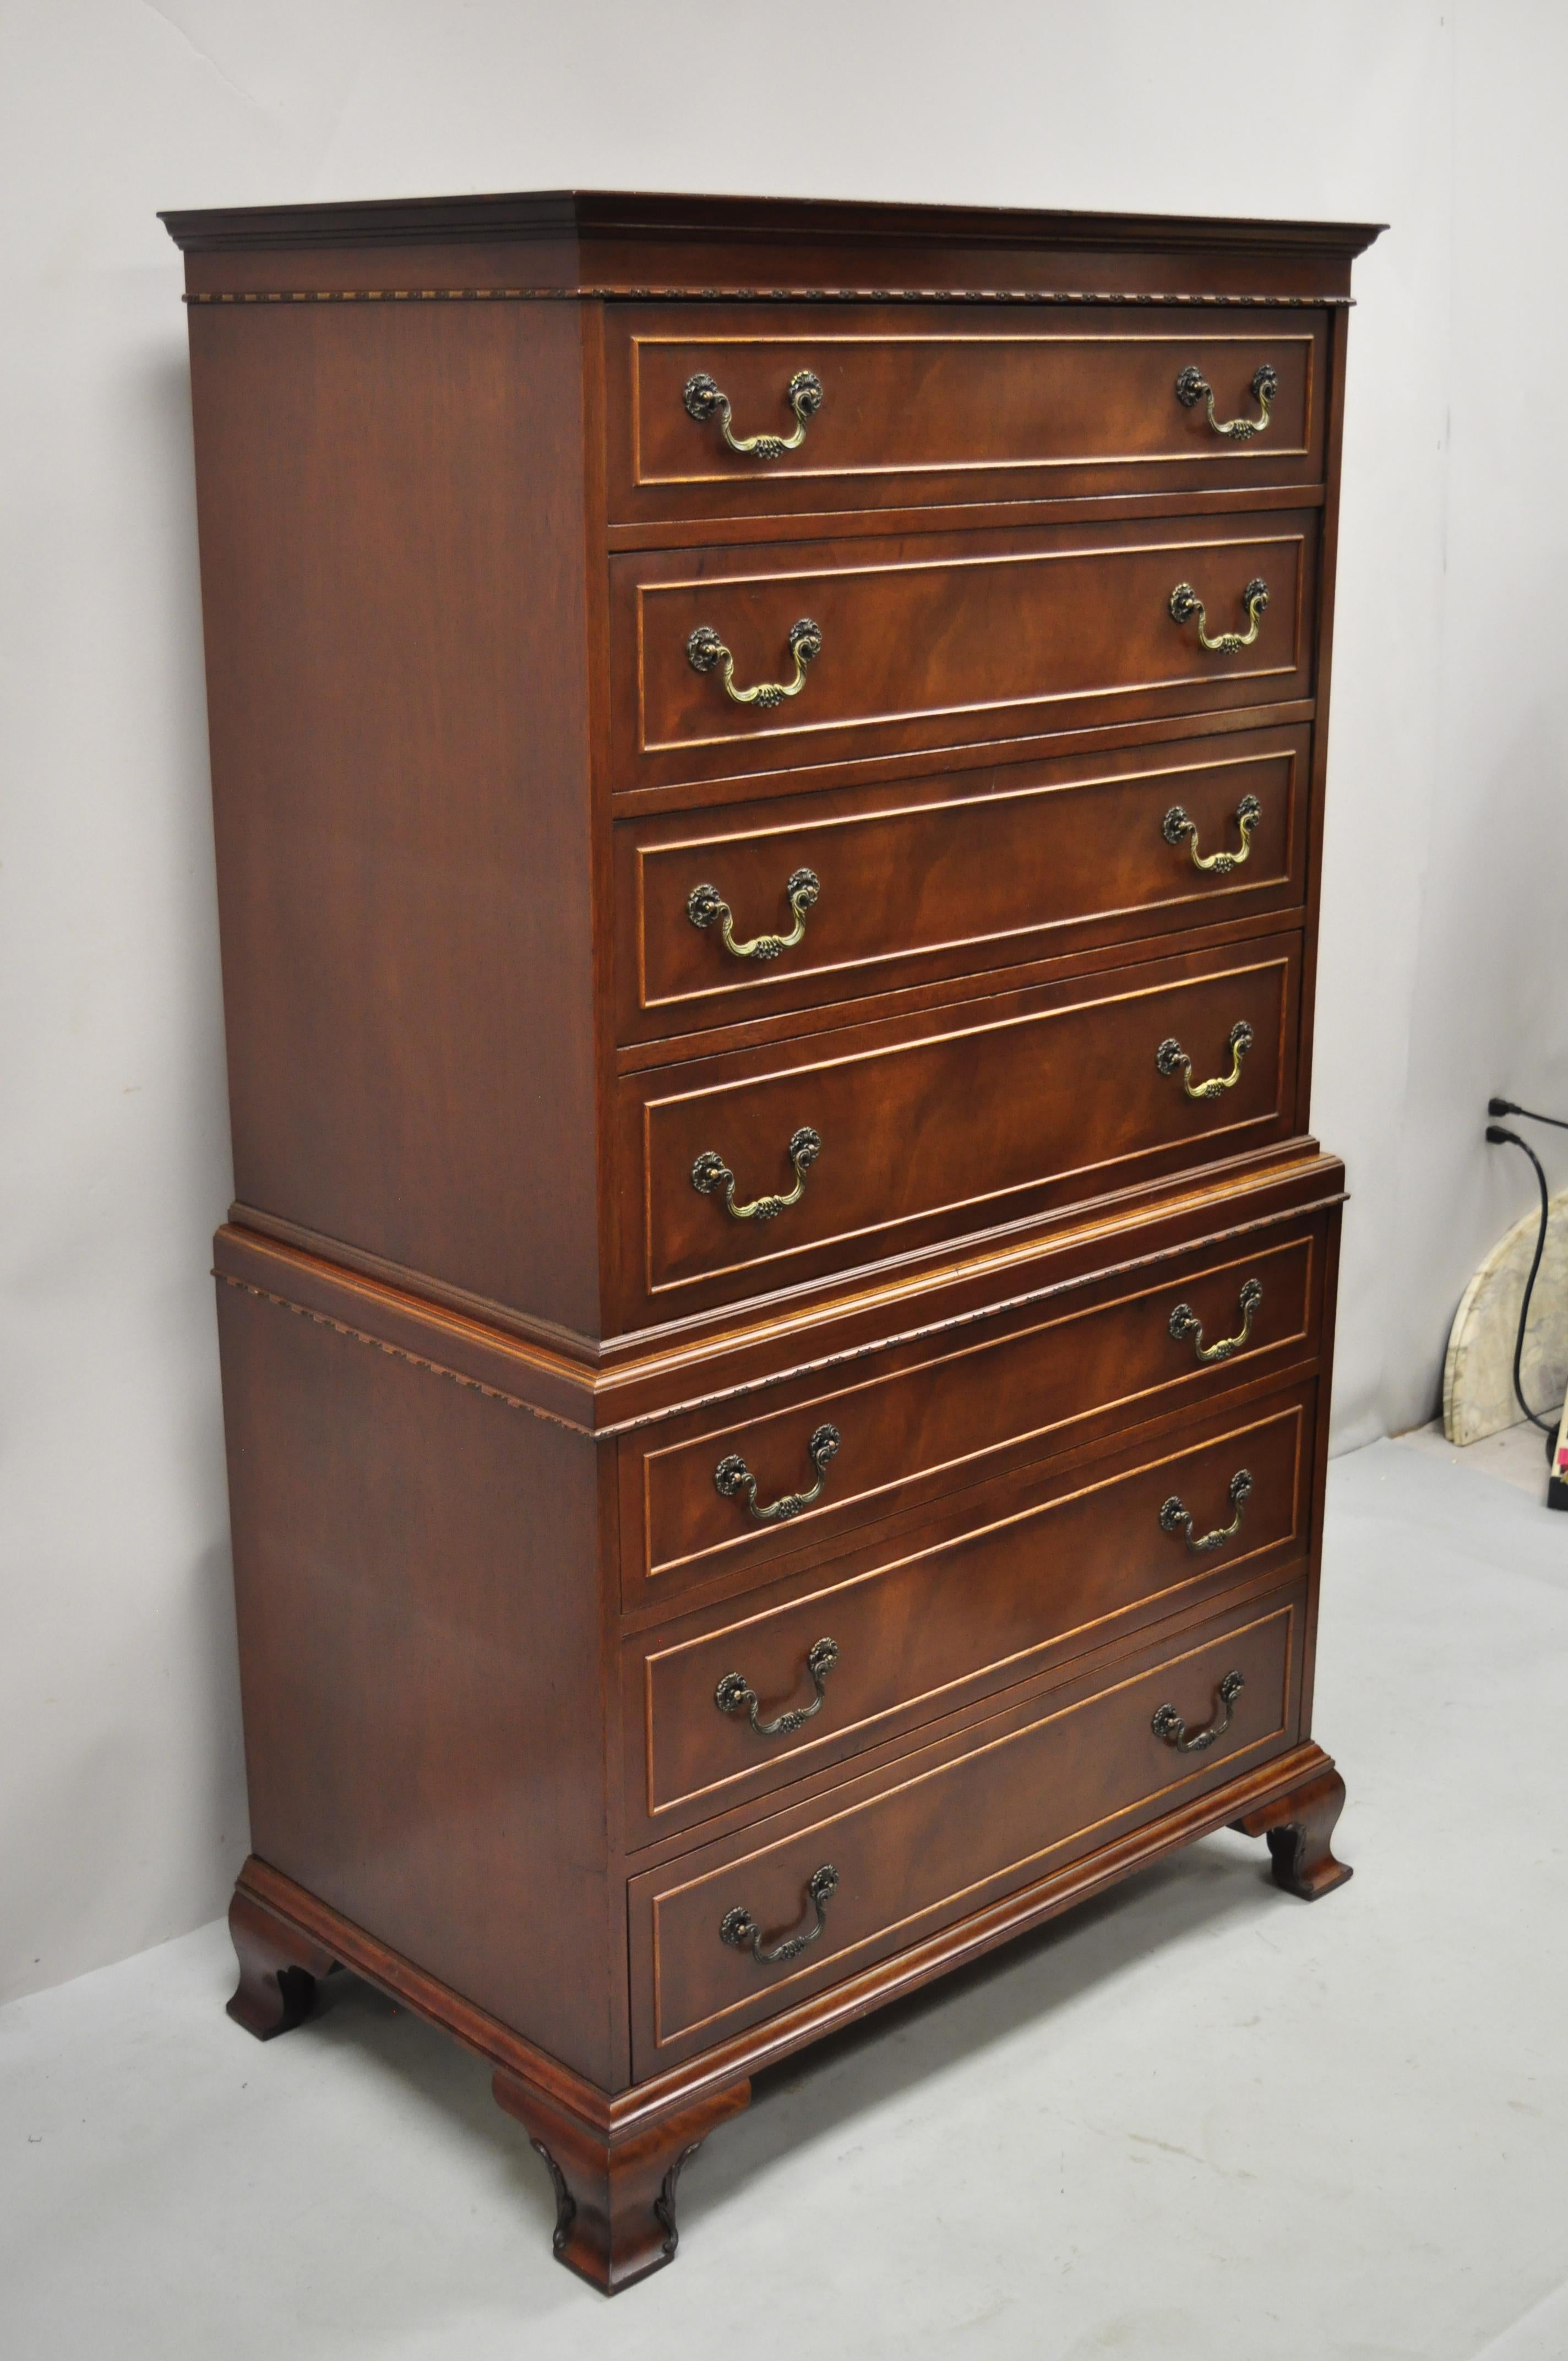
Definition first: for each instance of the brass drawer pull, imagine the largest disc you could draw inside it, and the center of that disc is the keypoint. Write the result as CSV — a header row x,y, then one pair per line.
x,y
1168,1723
704,400
732,1476
735,1695
1172,1058
706,907
710,1173
1184,1322
1177,827
1175,1519
704,649
1193,385
1185,603
738,1927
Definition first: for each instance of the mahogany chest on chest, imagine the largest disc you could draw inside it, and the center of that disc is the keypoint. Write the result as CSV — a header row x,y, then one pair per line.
x,y
768,761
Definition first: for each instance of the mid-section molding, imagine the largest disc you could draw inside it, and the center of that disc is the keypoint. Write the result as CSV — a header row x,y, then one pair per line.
x,y
398,1352
666,1376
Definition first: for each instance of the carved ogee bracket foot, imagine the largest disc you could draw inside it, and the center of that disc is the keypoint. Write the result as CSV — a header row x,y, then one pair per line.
x,y
277,1970
615,2192
1299,1827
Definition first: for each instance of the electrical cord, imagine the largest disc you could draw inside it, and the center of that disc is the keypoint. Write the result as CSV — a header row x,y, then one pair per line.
x,y
1510,1106
1497,1137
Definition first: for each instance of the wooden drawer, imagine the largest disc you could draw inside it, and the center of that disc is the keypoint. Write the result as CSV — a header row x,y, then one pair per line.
x,y
1014,1577
935,878
924,1419
934,407
948,640
951,1827
936,1125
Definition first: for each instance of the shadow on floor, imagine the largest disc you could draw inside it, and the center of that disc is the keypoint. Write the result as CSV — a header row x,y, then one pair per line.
x,y
890,2053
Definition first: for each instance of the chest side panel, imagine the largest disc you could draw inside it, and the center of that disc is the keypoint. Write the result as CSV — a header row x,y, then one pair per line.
x,y
395,595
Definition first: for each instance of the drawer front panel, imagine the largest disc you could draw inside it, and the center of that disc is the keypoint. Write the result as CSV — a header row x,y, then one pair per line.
x,y
932,408
929,1129
924,1422
947,639
949,876
948,1832
952,1618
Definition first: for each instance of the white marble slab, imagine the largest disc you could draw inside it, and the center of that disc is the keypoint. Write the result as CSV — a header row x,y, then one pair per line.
x,y
1478,1396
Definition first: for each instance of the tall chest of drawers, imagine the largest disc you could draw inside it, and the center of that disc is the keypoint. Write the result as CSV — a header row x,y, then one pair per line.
x,y
768,762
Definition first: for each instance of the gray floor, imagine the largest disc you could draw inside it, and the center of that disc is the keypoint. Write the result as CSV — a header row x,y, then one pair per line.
x,y
1516,1455
1197,2118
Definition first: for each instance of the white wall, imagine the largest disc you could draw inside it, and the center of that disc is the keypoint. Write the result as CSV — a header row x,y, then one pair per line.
x,y
121,1795
1489,1008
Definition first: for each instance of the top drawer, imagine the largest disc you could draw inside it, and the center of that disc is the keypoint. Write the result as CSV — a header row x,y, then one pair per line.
x,y
904,407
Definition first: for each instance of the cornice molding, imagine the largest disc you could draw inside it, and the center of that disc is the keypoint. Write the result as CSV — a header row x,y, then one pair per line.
x,y
589,213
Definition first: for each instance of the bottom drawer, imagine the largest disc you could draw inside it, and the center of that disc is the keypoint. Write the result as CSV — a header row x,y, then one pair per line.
x,y
954,1828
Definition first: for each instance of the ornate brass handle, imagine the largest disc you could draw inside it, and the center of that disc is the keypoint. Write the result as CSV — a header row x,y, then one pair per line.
x,y
706,907
732,1476
1172,1058
1177,827
1193,385
704,649
1184,1322
738,1927
1185,603
704,400
735,1695
1168,1723
710,1173
1175,1519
